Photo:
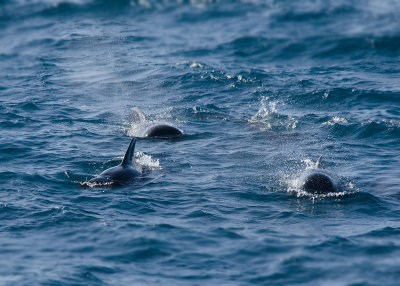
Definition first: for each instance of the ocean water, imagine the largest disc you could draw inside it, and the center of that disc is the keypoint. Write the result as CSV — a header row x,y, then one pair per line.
x,y
261,89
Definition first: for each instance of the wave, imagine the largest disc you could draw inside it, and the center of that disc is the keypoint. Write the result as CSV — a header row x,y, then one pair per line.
x,y
276,49
296,12
368,129
357,47
24,8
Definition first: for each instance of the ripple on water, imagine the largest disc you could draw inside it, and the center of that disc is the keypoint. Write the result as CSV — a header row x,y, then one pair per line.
x,y
261,89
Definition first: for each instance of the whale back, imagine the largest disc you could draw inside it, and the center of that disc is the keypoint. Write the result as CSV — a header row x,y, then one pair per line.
x,y
319,181
162,131
127,161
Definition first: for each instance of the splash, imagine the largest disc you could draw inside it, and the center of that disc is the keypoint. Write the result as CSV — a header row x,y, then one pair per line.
x,y
196,65
192,65
147,162
269,118
95,184
133,129
294,187
313,197
336,120
310,164
138,122
142,161
294,183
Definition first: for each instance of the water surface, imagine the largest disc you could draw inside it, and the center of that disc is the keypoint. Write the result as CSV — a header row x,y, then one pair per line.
x,y
262,89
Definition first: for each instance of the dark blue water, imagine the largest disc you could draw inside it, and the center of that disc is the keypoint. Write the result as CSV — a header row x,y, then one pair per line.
x,y
262,89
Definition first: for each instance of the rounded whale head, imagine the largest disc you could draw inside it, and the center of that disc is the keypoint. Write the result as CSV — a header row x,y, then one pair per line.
x,y
318,181
121,174
162,131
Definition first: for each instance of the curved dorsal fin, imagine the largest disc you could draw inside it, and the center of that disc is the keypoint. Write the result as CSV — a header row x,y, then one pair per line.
x,y
129,153
318,163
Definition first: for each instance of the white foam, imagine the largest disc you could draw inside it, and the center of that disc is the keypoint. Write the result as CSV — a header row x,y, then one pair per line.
x,y
95,184
336,120
191,65
270,118
136,127
310,164
196,65
142,160
300,193
134,130
146,161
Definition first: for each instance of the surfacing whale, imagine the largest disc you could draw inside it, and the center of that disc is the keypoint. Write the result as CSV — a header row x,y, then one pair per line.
x,y
157,130
318,181
121,174
162,131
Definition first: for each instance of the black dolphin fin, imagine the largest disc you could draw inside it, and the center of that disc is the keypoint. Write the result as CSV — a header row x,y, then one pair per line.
x,y
129,153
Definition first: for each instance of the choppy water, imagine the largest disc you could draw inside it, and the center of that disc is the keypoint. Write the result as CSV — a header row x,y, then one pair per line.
x,y
261,89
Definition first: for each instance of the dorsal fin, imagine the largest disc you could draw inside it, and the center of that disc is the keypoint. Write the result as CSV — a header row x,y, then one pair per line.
x,y
129,153
318,163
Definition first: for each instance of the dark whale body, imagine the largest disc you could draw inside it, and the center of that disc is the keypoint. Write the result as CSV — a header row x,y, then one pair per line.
x,y
318,181
162,131
158,130
121,174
